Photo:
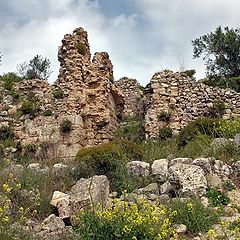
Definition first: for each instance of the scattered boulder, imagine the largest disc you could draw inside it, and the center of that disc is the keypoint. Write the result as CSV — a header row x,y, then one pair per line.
x,y
181,160
138,168
62,202
160,169
204,163
190,178
94,190
237,139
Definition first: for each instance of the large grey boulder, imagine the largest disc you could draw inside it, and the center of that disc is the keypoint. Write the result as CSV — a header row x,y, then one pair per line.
x,y
181,160
237,139
160,169
94,190
138,168
61,201
204,163
191,179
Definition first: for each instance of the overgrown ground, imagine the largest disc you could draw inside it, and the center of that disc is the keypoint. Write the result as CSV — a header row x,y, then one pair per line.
x,y
26,195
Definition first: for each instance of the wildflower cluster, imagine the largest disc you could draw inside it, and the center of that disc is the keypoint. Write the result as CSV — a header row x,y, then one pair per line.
x,y
229,128
123,220
226,230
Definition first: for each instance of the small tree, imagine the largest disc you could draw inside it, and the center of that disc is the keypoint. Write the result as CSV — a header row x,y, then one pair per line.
x,y
38,67
221,51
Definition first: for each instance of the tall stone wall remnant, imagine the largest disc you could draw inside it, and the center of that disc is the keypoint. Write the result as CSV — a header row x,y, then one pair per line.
x,y
133,96
184,99
83,94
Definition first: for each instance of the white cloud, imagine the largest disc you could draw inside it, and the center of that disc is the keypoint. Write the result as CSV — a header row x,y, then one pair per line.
x,y
156,35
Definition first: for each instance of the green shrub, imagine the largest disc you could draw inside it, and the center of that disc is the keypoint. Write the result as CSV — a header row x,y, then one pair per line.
x,y
58,94
111,78
65,126
193,214
130,149
196,147
139,220
232,83
132,130
164,117
105,159
81,47
6,132
30,107
165,133
205,126
189,73
217,110
47,113
216,197
229,128
30,148
9,79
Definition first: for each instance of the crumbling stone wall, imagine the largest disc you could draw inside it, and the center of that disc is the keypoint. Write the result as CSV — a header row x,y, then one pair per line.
x,y
89,100
184,99
133,97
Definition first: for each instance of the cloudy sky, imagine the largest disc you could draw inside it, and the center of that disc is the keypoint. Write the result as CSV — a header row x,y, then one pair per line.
x,y
141,36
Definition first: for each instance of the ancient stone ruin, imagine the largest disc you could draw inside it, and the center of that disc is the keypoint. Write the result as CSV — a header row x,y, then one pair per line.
x,y
184,100
133,96
83,94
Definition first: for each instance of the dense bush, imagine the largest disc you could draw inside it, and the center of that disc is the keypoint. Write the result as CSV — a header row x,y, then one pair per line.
x,y
58,94
194,215
132,130
6,132
30,107
47,113
139,220
81,47
9,79
205,126
189,73
217,110
165,133
131,150
229,128
217,198
232,83
105,159
65,126
196,147
164,117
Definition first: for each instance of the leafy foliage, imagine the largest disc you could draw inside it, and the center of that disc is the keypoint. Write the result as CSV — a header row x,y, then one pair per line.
x,y
220,50
132,130
105,159
217,110
189,73
65,126
30,107
205,126
6,132
139,220
217,198
9,79
164,117
165,133
58,94
223,82
194,215
37,68
81,47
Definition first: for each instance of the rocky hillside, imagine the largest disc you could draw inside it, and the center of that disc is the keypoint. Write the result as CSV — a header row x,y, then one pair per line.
x,y
92,158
